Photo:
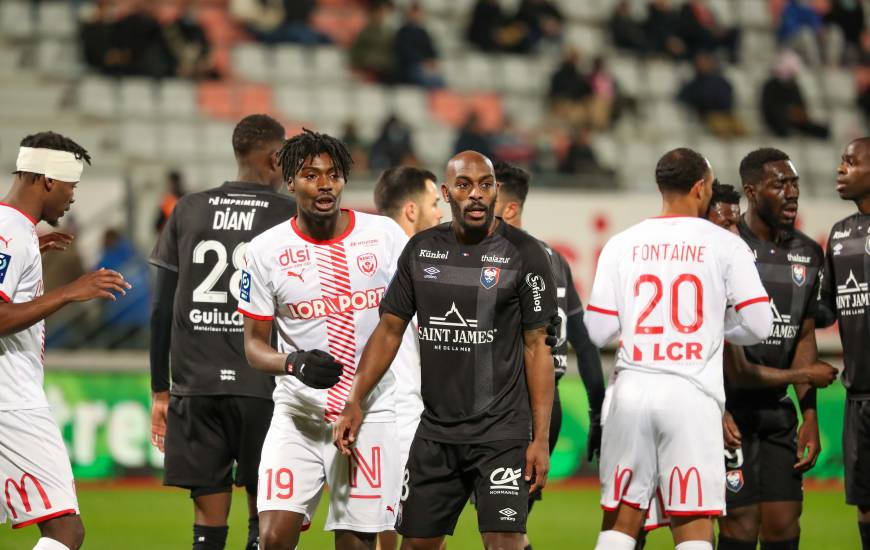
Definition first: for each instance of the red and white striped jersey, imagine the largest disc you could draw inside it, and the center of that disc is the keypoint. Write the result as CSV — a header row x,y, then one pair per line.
x,y
324,295
22,354
669,281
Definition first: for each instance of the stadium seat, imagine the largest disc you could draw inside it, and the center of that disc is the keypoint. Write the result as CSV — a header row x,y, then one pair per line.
x,y
745,89
434,145
724,10
526,112
97,96
626,71
140,140
371,103
411,104
594,11
757,47
839,86
179,141
217,140
753,13
811,90
637,167
330,64
588,39
58,58
252,62
137,97
331,105
16,19
717,152
289,62
523,75
666,118
294,102
845,126
176,99
819,161
480,73
663,79
57,20
606,150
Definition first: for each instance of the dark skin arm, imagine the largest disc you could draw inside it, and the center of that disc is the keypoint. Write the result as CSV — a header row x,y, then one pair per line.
x,y
258,348
539,379
809,443
99,284
376,358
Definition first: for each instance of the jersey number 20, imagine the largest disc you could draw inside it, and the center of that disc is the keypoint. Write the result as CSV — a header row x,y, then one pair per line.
x,y
658,293
205,291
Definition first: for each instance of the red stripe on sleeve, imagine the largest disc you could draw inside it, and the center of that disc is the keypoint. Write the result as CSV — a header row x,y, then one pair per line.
x,y
5,297
590,307
742,305
255,316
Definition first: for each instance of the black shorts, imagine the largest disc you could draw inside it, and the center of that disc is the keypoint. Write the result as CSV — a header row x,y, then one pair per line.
x,y
206,435
555,428
762,470
439,478
856,452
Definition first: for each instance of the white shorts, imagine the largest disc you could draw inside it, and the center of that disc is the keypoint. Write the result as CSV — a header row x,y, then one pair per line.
x,y
299,457
662,433
35,471
407,426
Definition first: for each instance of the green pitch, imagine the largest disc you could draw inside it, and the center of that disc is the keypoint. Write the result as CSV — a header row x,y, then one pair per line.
x,y
567,518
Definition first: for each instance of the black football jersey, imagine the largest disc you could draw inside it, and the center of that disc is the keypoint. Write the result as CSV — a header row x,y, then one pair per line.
x,y
844,296
790,271
204,241
473,303
568,303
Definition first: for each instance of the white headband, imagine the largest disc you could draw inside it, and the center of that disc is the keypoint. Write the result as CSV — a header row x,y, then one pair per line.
x,y
57,165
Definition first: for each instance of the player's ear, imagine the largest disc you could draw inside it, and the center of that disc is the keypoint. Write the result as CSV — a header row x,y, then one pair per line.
x,y
410,211
290,186
444,192
749,191
698,189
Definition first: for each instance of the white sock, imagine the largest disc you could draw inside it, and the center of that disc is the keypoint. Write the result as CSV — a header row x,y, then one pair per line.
x,y
46,543
615,540
695,545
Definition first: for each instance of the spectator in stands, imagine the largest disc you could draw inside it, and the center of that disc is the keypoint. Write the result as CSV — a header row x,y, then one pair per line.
x,y
415,50
580,158
607,101
372,52
393,147
801,29
848,18
189,45
701,32
570,91
138,43
277,21
782,104
626,31
124,323
711,96
95,31
491,30
662,30
542,19
472,137
862,78
175,189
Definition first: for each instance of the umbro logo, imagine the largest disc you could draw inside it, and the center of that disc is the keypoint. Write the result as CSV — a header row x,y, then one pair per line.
x,y
431,272
507,514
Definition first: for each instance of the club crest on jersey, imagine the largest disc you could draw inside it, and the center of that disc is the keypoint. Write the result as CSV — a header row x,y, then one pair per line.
x,y
5,260
244,287
367,263
799,274
489,277
734,480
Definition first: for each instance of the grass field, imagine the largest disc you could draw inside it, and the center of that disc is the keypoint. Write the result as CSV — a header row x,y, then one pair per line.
x,y
147,518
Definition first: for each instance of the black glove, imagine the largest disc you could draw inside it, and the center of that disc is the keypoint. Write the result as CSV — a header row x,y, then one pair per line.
x,y
314,368
552,339
593,444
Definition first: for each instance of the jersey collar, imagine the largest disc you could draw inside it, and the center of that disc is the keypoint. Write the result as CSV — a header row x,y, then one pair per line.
x,y
350,225
31,220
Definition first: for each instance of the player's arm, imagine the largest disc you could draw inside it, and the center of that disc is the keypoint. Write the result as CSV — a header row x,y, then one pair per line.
x,y
15,317
376,358
750,320
742,373
826,307
539,379
602,318
161,337
809,444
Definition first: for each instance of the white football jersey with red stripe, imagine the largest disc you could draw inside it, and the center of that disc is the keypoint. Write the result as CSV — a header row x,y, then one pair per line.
x,y
324,295
670,280
21,354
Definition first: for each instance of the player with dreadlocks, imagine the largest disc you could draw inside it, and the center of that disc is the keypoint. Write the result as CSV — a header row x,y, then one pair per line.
x,y
318,278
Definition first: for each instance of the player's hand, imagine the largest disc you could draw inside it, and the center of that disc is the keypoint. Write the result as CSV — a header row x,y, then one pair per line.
x,y
99,284
346,428
159,408
730,432
314,368
593,442
54,241
537,464
809,445
552,339
818,374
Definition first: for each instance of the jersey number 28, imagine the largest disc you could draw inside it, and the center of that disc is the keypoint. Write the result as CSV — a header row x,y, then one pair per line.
x,y
205,291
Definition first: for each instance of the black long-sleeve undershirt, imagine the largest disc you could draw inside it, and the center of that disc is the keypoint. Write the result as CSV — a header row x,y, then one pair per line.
x,y
588,361
161,328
